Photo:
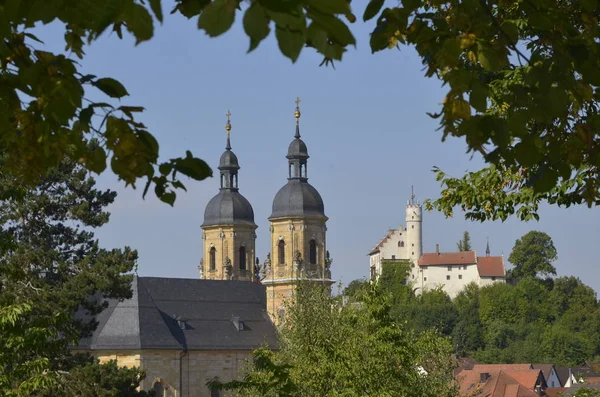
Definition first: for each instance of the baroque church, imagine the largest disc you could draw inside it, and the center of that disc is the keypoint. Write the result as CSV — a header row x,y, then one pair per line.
x,y
185,332
297,230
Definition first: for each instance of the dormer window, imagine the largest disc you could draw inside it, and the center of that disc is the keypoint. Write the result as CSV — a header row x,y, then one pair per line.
x,y
237,323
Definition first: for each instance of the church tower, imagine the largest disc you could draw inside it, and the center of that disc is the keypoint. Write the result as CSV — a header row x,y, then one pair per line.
x,y
414,231
298,230
228,228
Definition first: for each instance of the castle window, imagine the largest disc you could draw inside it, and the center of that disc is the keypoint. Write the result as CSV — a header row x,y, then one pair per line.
x,y
215,393
401,244
242,258
213,258
312,245
449,268
424,278
447,277
393,257
412,227
493,278
413,245
460,276
281,252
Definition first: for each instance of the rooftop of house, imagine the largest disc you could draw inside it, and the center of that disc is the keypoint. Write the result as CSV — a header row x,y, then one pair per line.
x,y
192,314
487,266
498,382
381,242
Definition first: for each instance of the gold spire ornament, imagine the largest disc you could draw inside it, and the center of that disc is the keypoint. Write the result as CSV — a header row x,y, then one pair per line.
x,y
228,125
228,129
297,113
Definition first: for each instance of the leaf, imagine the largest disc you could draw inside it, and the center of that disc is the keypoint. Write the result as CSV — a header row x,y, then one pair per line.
x,y
149,141
478,96
337,29
85,116
156,7
96,160
256,25
217,17
111,87
193,167
546,180
33,37
511,31
290,43
128,110
461,108
379,40
168,197
489,60
372,9
330,6
139,22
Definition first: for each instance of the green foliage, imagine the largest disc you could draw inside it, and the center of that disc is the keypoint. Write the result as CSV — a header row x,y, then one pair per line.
x,y
330,349
90,379
50,265
353,288
534,320
522,80
533,255
465,243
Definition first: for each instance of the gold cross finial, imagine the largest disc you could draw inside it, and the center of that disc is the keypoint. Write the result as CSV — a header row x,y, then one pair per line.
x,y
228,125
297,112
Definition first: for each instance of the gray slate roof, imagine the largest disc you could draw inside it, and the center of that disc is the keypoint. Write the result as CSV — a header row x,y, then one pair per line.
x,y
298,198
228,207
148,319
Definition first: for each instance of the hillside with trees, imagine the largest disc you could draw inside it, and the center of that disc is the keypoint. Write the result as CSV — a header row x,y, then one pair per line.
x,y
534,318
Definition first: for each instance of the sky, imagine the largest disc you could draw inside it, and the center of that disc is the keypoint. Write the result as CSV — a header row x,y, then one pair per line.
x,y
365,126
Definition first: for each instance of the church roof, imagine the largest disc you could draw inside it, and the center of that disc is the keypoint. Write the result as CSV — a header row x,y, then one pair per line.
x,y
491,266
228,207
208,308
298,198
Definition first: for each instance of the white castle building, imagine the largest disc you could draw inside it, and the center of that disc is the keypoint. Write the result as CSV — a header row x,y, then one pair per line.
x,y
451,271
404,243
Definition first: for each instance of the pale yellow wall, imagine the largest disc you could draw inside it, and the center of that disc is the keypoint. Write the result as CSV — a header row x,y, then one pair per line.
x,y
296,233
227,241
198,367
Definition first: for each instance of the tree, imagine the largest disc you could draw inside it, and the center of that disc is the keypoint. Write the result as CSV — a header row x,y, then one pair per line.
x,y
533,255
465,243
50,265
327,349
354,287
523,84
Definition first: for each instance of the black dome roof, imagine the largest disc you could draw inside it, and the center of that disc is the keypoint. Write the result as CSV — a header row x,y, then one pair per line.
x,y
298,198
228,207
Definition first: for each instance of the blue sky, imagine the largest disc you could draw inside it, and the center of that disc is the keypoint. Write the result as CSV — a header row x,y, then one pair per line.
x,y
365,126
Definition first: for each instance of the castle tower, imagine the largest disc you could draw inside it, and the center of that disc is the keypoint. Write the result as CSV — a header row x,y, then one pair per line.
x,y
297,226
228,228
414,231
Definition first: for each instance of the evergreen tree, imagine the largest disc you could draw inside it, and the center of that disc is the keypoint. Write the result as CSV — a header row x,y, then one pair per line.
x,y
465,243
50,265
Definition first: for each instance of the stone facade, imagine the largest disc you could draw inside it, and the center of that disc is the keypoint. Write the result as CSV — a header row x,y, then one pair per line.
x,y
180,374
230,246
298,247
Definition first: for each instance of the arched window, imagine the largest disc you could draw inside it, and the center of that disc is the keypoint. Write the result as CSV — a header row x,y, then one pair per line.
x,y
281,252
213,258
312,250
215,393
401,244
242,258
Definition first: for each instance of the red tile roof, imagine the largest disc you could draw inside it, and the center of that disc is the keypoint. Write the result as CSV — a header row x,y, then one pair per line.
x,y
501,383
448,258
490,266
501,367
